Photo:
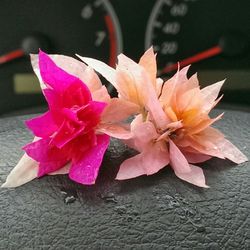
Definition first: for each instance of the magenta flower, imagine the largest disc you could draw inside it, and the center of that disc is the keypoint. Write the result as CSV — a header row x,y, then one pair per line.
x,y
67,130
74,134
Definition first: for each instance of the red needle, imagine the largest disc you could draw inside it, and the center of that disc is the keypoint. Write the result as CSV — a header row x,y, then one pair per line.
x,y
195,58
11,56
112,39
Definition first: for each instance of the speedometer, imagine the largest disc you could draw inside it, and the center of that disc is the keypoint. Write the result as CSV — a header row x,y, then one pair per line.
x,y
86,27
212,37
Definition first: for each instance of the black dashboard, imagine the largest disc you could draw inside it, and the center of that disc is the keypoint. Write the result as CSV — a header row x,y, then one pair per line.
x,y
212,35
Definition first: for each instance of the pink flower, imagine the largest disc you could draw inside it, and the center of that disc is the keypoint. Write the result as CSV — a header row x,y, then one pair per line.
x,y
173,129
77,127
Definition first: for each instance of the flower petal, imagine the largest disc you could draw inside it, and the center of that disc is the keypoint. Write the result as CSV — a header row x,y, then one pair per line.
x,y
56,78
118,131
204,124
131,168
195,176
230,151
210,94
25,171
177,159
143,135
118,110
42,126
195,157
148,162
101,95
148,62
106,71
86,169
63,170
50,158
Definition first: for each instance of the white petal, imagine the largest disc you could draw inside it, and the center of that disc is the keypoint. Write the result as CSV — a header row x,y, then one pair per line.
x,y
25,171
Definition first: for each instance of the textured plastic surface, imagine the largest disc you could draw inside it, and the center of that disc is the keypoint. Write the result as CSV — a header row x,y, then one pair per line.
x,y
156,212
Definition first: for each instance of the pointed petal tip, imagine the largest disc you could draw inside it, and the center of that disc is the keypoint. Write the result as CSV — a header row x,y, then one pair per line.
x,y
4,185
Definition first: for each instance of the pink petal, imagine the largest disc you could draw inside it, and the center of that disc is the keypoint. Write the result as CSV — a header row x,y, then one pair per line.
x,y
195,176
25,171
118,131
144,135
76,94
79,70
49,157
42,126
86,169
91,113
118,110
131,168
210,94
58,79
149,162
63,170
230,151
66,133
195,157
177,159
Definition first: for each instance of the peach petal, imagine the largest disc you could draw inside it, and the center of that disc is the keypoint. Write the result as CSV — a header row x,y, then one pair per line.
x,y
115,130
195,176
210,94
191,83
190,100
118,110
205,146
101,95
148,62
204,124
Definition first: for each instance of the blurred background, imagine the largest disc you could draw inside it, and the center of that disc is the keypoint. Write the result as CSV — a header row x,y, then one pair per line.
x,y
212,35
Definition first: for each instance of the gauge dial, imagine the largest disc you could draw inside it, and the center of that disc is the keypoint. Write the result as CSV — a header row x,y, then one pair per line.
x,y
85,27
201,33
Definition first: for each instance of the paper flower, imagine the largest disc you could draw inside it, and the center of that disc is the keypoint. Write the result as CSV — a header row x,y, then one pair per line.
x,y
77,127
173,125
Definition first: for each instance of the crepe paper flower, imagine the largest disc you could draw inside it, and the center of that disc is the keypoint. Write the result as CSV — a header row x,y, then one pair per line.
x,y
188,138
77,127
135,83
173,126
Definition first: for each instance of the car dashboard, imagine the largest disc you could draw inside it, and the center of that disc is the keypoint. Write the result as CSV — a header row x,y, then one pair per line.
x,y
211,35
